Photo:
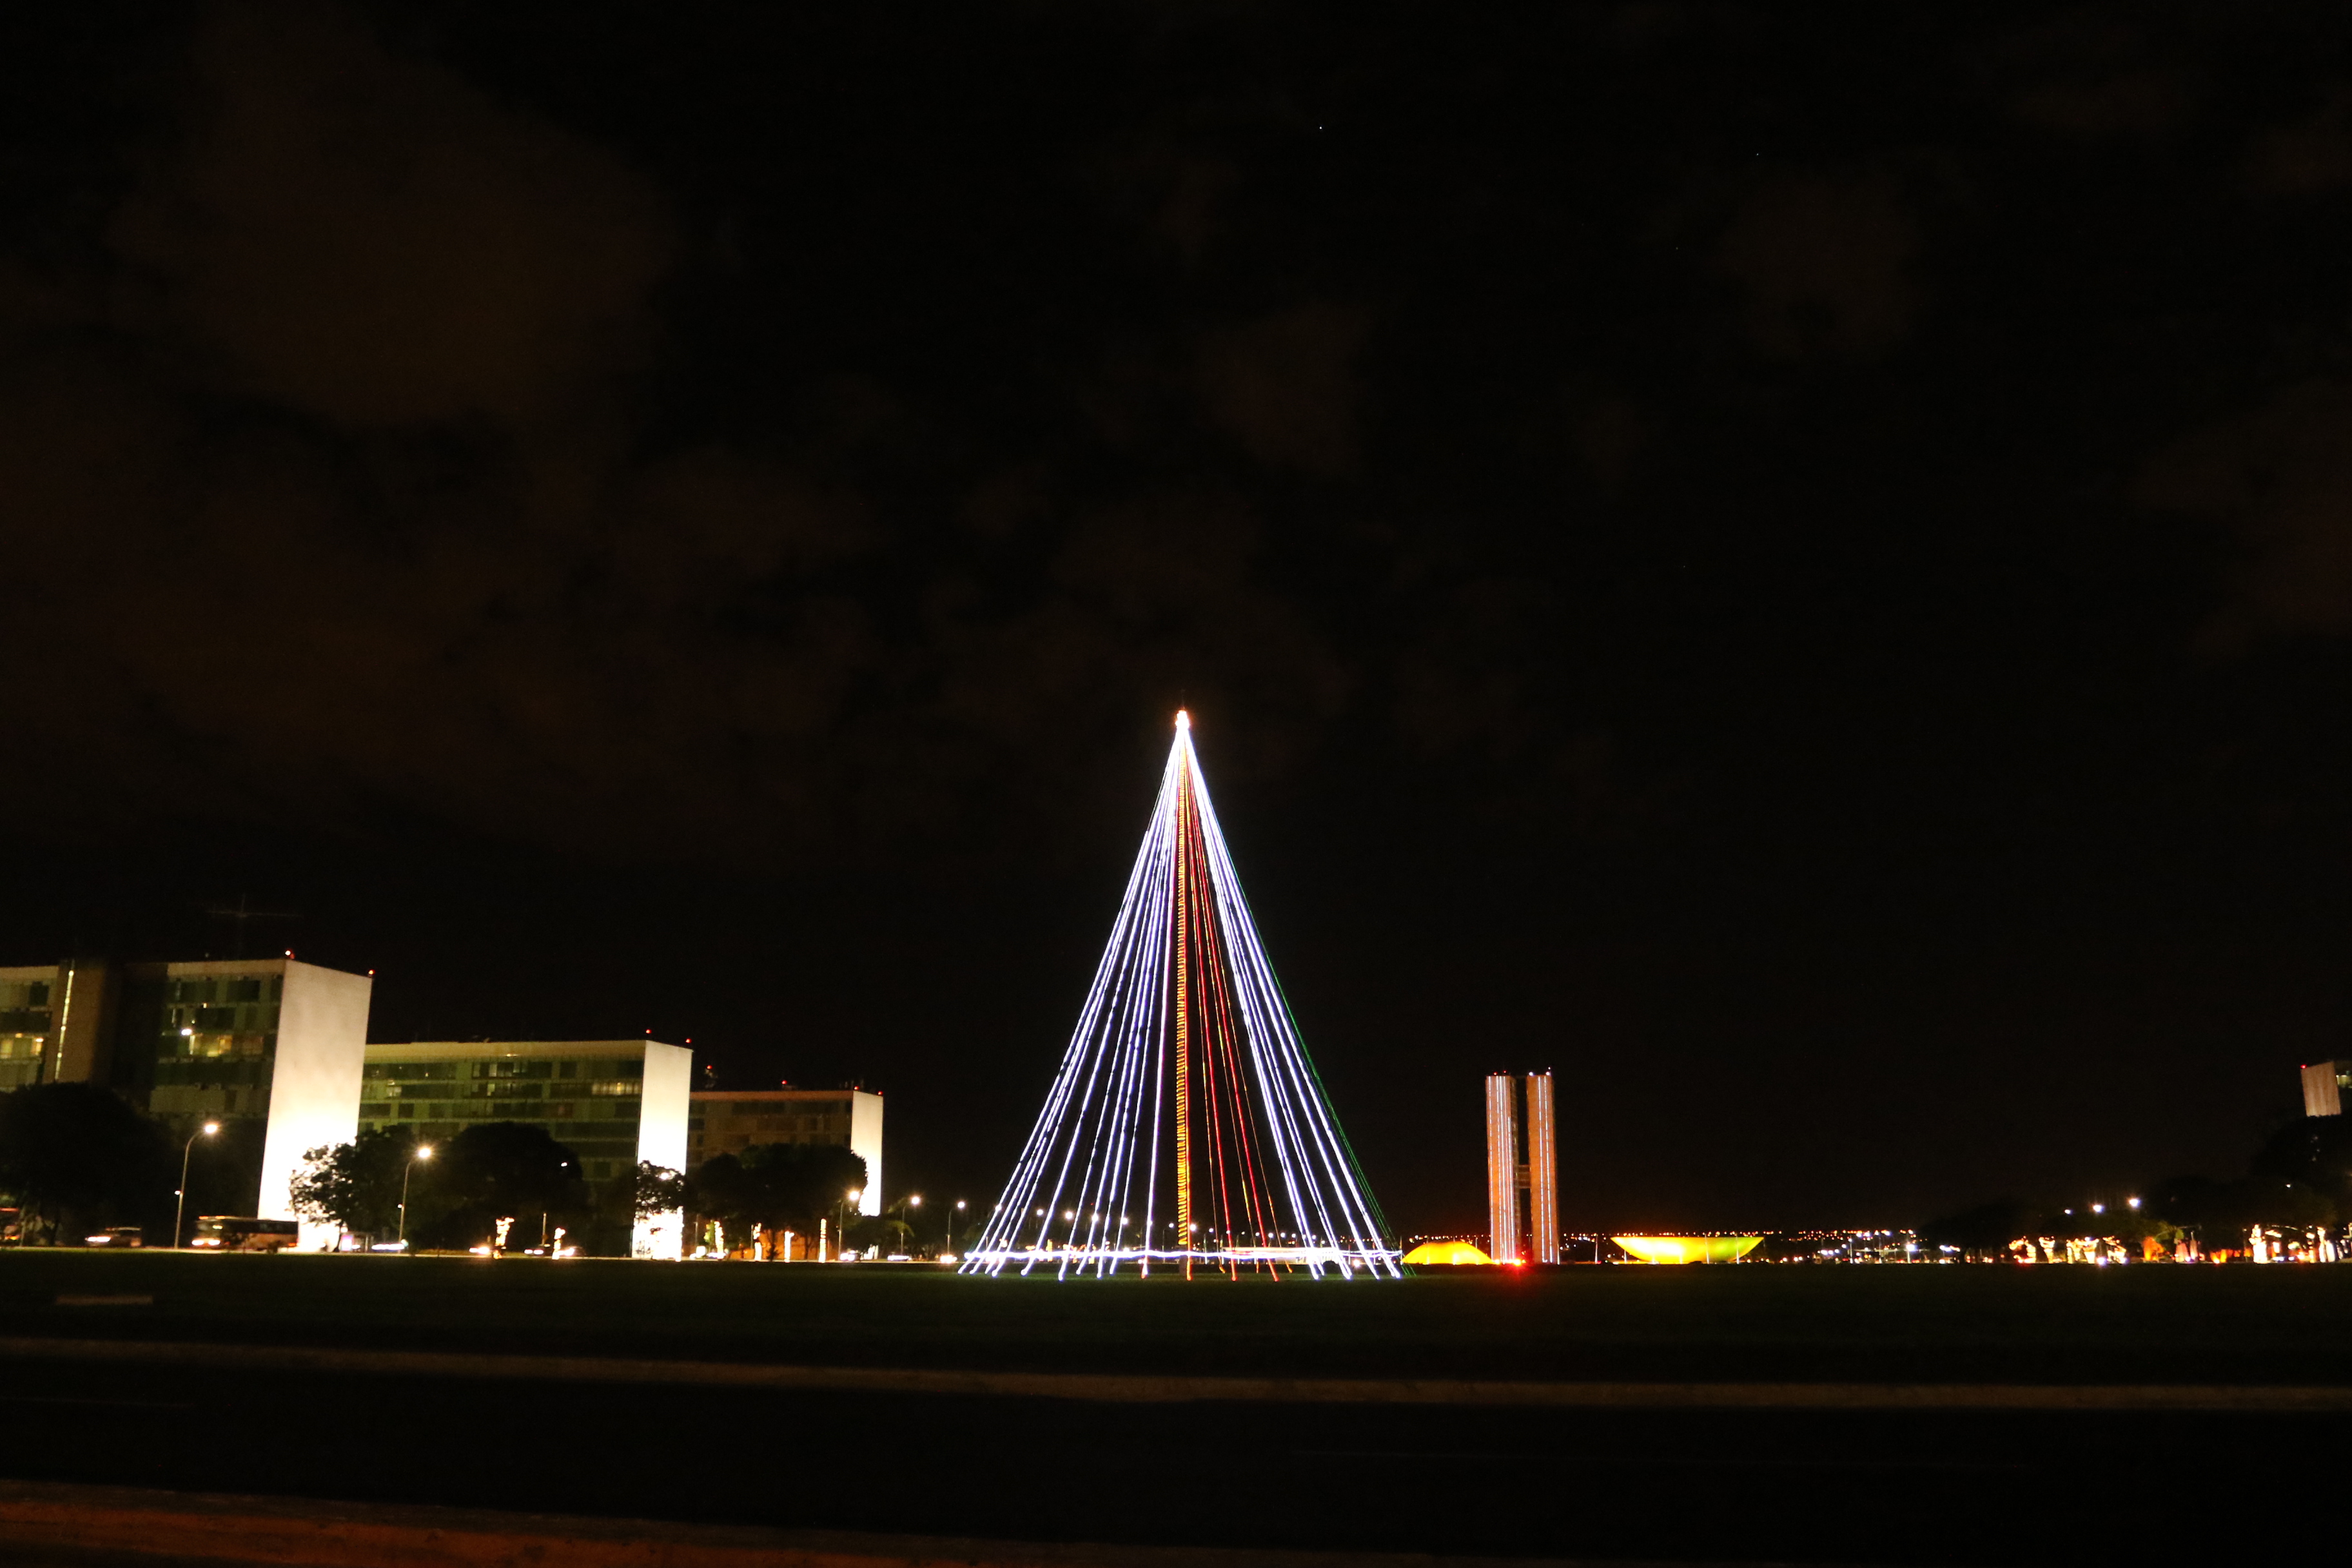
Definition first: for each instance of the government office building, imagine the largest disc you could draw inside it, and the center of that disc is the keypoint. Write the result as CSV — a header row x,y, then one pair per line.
x,y
727,1121
281,1044
272,1042
613,1102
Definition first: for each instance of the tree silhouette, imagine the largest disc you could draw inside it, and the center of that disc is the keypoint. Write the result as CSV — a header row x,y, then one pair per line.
x,y
504,1170
357,1185
74,1152
778,1186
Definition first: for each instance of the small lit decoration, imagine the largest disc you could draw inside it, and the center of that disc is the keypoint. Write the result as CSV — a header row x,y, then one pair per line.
x,y
1187,1127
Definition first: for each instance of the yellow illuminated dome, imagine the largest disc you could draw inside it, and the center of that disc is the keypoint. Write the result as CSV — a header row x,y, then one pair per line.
x,y
1686,1248
1446,1252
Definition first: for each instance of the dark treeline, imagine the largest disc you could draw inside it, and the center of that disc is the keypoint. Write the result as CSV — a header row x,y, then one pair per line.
x,y
2300,1178
76,1159
458,1192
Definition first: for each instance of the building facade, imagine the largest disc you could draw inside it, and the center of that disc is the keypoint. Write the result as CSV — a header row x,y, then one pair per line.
x,y
273,1043
1522,1170
727,1121
613,1104
45,1037
2324,1084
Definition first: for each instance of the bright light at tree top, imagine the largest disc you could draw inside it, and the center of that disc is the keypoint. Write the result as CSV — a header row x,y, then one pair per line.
x,y
1187,1125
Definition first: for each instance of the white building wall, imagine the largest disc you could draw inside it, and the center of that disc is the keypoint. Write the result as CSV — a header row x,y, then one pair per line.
x,y
866,1142
661,1139
314,1089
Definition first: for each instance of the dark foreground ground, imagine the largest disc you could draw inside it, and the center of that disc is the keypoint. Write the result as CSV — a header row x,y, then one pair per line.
x,y
2037,1457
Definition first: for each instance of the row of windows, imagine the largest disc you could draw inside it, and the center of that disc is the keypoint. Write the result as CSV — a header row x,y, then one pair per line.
x,y
507,1068
609,1090
18,1048
213,1070
28,1020
605,1148
218,989
491,1110
736,1143
410,1073
23,993
778,1124
201,1044
206,1100
252,1015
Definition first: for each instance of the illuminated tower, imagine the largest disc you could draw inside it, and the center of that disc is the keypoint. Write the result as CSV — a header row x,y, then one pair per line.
x,y
1521,1158
1187,1127
1543,1172
1502,1170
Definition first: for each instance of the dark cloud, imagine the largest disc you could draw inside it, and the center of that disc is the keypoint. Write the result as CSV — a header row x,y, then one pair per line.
x,y
351,501
373,242
1826,264
2101,73
2282,478
1285,386
2311,157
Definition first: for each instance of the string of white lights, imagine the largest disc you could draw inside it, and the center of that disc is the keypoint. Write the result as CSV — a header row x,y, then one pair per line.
x,y
1088,1192
1111,979
1300,1114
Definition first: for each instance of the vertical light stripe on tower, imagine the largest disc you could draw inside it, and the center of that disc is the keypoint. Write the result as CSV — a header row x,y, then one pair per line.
x,y
1183,1018
1502,1170
1543,1172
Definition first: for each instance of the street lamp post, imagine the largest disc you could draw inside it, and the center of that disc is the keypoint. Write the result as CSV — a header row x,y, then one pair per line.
x,y
423,1152
848,1201
914,1201
180,1215
952,1227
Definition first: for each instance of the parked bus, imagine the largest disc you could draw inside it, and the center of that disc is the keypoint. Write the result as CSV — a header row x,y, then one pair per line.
x,y
236,1233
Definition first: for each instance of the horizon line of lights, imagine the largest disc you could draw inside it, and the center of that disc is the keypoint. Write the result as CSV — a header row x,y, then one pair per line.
x,y
1106,1143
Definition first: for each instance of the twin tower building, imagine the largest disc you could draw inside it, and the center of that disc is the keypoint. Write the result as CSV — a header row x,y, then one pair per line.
x,y
1522,1170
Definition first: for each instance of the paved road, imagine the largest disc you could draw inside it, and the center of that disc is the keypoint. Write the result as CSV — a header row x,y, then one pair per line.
x,y
1790,1481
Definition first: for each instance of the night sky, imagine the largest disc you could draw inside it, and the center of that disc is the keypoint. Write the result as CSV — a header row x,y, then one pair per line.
x,y
1790,564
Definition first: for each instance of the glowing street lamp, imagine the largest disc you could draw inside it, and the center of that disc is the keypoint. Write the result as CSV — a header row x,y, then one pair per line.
x,y
952,1227
180,1215
848,1201
423,1152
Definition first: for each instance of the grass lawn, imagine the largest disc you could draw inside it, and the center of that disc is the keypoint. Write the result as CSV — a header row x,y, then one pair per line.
x,y
2154,1324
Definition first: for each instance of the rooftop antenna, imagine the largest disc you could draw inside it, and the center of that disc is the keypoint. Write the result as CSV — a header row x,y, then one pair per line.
x,y
243,915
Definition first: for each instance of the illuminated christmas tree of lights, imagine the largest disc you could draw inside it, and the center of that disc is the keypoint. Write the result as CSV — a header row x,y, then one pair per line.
x,y
1187,1127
